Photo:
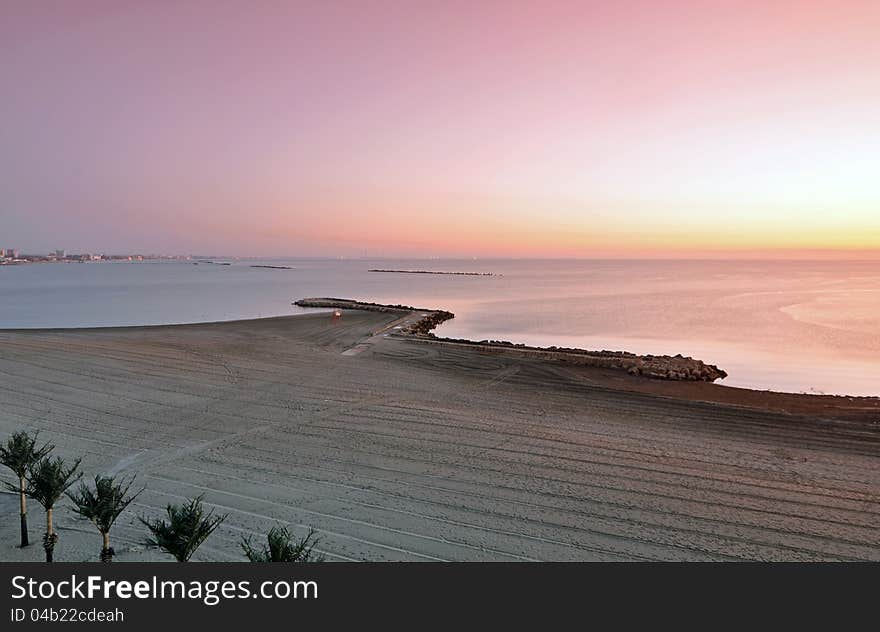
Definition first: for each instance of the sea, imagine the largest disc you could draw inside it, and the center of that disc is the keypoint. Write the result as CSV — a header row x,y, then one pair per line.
x,y
794,326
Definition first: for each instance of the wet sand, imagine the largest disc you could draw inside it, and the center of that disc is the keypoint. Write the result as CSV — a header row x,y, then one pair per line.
x,y
414,451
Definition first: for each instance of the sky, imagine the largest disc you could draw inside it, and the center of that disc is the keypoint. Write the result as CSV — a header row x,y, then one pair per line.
x,y
410,128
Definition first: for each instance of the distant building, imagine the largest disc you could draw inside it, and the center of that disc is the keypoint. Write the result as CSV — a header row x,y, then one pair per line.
x,y
11,253
60,254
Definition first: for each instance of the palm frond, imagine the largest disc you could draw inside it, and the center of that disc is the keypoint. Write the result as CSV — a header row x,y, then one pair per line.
x,y
186,527
48,479
105,503
21,452
282,547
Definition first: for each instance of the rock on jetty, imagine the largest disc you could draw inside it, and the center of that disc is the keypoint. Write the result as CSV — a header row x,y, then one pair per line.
x,y
662,367
423,326
345,303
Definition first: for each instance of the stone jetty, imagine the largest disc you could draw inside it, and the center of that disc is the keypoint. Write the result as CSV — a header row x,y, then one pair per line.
x,y
661,367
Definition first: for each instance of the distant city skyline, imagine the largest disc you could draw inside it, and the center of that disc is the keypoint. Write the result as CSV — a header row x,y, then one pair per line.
x,y
516,129
805,254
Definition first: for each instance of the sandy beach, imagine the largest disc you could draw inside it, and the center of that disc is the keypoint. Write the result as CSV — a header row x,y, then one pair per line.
x,y
396,449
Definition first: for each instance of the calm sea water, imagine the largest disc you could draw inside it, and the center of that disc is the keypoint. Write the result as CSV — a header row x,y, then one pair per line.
x,y
792,326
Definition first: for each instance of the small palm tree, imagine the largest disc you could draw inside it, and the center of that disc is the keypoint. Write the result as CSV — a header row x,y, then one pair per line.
x,y
47,481
283,548
103,506
187,527
18,454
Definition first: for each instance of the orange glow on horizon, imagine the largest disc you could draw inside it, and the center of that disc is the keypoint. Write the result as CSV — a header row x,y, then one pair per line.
x,y
548,129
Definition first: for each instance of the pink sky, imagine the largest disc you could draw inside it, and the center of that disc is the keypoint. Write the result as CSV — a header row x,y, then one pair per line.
x,y
453,128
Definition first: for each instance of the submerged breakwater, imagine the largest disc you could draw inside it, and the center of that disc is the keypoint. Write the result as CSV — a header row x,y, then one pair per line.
x,y
433,272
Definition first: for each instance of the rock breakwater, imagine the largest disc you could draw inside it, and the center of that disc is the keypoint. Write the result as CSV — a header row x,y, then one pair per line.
x,y
664,367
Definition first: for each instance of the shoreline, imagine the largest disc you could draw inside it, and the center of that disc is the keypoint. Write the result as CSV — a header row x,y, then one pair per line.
x,y
788,402
207,323
605,371
406,450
